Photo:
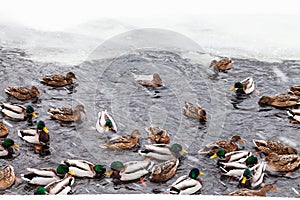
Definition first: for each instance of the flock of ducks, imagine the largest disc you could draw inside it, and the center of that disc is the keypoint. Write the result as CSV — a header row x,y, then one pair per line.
x,y
161,158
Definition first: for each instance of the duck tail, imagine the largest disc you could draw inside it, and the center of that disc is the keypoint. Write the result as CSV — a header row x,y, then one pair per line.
x,y
174,190
290,113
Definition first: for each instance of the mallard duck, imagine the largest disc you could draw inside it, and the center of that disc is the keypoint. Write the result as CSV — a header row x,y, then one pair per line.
x,y
7,177
39,136
195,111
247,192
236,159
246,86
187,185
17,112
3,130
22,93
283,163
164,171
295,114
269,146
45,176
63,186
6,147
105,122
130,170
66,114
83,168
227,146
222,65
123,142
162,152
58,80
295,90
279,101
158,135
155,82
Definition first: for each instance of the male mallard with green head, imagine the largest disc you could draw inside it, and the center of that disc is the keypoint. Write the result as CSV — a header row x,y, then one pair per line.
x,y
6,147
58,80
22,93
246,86
105,122
66,114
58,187
17,112
187,185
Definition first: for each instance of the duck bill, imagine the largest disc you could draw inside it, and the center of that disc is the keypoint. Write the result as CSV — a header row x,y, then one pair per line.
x,y
4,127
244,180
108,173
184,151
201,173
241,141
15,145
106,128
34,114
232,88
45,130
274,188
214,156
71,173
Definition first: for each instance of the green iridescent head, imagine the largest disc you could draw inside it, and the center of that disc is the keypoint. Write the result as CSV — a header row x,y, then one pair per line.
x,y
251,160
176,148
221,153
108,123
194,173
238,85
99,169
117,165
40,191
62,169
8,143
29,109
247,173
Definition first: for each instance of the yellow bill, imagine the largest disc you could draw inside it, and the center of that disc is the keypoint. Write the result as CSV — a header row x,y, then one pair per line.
x,y
71,173
201,173
214,156
244,180
242,141
106,128
232,88
184,151
34,115
108,173
45,130
15,145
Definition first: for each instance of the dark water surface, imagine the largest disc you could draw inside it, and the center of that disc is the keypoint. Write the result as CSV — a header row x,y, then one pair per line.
x,y
109,84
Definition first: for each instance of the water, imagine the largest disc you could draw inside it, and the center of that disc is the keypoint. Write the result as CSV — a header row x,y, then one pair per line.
x,y
106,76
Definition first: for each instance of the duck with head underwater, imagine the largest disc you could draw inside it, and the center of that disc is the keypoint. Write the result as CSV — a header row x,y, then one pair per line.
x,y
17,112
162,152
45,176
186,185
6,149
39,136
246,86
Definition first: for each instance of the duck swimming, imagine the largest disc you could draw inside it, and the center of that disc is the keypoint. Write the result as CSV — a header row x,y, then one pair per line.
x,y
269,146
105,122
123,142
246,86
158,135
3,130
66,114
7,177
155,82
222,65
58,80
17,112
6,147
279,101
22,93
195,111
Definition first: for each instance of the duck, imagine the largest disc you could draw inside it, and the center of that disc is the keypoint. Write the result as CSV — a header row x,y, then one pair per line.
x,y
123,142
269,146
18,112
58,187
279,101
131,170
162,152
247,192
246,86
222,65
66,114
164,171
295,114
294,90
83,168
6,147
158,135
39,136
195,111
3,130
58,80
239,157
45,176
7,177
155,82
187,184
105,122
283,163
22,93
227,146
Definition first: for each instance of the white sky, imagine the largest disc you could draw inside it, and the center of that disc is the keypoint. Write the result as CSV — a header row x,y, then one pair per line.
x,y
58,14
